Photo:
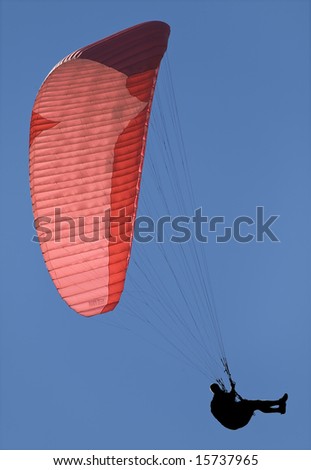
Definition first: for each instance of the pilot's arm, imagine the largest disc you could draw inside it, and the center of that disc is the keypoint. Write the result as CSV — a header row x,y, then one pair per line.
x,y
233,393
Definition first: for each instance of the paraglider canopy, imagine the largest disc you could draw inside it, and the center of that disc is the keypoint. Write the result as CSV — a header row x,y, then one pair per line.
x,y
87,143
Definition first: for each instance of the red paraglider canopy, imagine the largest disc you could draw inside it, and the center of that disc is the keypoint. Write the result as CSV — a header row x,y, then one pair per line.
x,y
87,143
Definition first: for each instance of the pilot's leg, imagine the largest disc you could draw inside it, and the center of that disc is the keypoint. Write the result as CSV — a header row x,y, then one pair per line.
x,y
269,406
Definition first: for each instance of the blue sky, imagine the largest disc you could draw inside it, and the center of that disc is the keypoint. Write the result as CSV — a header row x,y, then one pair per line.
x,y
241,73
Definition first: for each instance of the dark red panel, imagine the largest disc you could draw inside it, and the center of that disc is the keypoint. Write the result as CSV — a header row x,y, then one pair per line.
x,y
39,124
133,50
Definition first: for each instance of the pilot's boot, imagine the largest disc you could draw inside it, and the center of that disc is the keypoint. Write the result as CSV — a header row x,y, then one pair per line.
x,y
282,404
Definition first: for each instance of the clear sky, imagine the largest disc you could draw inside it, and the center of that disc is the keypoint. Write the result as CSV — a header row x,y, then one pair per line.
x,y
241,73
